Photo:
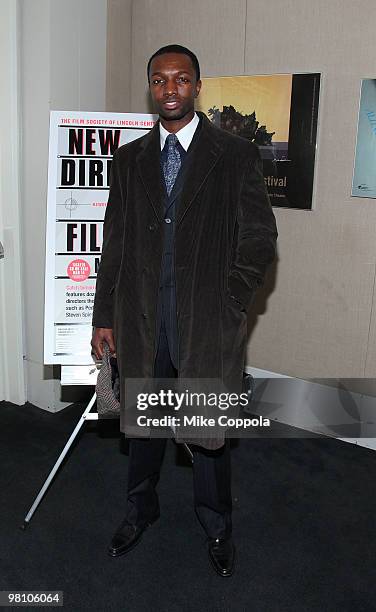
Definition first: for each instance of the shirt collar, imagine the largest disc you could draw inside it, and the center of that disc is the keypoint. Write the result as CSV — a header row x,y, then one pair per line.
x,y
184,135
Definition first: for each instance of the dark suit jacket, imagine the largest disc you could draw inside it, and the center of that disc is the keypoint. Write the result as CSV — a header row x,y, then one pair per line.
x,y
225,237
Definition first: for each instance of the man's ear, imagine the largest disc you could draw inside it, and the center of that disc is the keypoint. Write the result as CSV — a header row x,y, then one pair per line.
x,y
198,88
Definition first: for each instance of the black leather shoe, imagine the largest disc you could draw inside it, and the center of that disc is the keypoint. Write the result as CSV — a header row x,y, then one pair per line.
x,y
126,537
222,555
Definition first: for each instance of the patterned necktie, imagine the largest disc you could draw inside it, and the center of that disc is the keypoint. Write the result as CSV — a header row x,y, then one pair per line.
x,y
172,165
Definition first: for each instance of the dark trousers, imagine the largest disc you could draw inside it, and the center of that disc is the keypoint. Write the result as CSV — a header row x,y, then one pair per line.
x,y
211,472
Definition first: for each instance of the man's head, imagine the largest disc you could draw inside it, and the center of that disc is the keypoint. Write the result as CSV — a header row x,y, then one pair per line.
x,y
176,49
174,81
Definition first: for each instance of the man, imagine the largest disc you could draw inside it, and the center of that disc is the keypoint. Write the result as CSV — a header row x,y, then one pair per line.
x,y
188,234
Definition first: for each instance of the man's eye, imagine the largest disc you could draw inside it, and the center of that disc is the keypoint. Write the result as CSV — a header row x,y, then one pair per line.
x,y
183,80
157,81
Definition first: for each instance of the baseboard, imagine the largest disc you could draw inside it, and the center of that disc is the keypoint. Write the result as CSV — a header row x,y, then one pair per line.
x,y
331,411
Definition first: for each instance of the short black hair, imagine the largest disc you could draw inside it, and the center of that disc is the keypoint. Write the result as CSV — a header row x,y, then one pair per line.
x,y
176,49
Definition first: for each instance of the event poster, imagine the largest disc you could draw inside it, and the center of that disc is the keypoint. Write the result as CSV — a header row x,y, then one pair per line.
x,y
278,112
80,153
364,179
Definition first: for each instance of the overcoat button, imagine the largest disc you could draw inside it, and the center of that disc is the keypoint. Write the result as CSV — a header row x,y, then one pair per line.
x,y
167,220
144,315
151,228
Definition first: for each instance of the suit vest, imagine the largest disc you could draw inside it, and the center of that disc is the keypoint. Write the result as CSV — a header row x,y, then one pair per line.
x,y
166,310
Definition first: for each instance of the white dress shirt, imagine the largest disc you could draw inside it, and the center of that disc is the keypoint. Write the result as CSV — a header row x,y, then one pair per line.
x,y
184,135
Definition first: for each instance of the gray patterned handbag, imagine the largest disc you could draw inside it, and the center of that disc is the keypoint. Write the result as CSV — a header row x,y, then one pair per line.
x,y
108,387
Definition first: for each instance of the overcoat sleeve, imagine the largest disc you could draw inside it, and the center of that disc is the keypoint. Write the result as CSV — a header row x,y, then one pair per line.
x,y
255,237
112,249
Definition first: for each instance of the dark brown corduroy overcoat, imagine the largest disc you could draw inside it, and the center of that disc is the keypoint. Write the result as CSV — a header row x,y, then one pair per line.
x,y
225,237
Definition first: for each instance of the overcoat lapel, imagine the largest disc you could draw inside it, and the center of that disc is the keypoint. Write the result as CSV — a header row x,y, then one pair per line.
x,y
148,164
208,150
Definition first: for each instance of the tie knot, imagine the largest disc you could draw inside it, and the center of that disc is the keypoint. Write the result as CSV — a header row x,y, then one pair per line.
x,y
171,140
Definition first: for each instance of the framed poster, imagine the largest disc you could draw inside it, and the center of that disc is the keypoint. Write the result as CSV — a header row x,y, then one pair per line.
x,y
80,154
364,177
279,112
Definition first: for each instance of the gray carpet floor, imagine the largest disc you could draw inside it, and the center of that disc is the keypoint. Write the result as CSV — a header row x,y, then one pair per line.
x,y
304,523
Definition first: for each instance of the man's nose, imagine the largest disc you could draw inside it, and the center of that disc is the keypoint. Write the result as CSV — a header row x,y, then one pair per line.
x,y
170,88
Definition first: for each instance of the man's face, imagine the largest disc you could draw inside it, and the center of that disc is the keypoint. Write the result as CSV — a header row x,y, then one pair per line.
x,y
173,87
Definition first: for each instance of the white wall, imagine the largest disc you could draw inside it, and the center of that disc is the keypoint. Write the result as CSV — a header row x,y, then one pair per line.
x,y
63,67
12,381
319,320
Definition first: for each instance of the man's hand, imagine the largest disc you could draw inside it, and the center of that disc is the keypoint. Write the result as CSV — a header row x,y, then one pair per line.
x,y
100,335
